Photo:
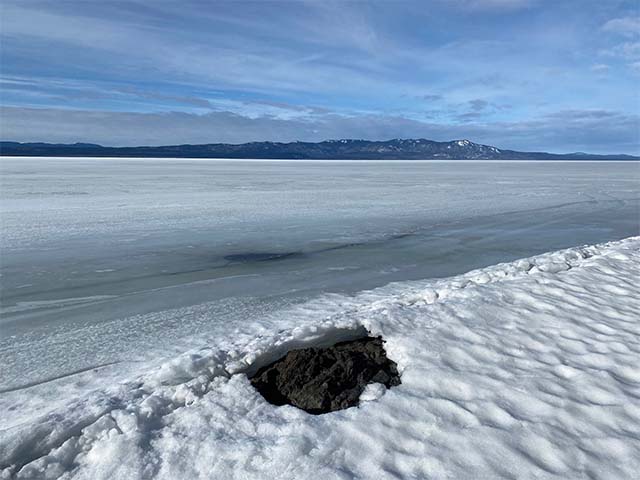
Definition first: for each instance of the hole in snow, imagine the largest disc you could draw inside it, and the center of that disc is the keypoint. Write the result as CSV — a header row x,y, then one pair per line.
x,y
324,379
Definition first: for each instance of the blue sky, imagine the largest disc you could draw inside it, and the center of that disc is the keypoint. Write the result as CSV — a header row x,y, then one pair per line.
x,y
556,75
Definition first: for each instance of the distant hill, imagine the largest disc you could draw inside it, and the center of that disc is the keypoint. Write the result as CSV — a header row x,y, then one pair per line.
x,y
398,149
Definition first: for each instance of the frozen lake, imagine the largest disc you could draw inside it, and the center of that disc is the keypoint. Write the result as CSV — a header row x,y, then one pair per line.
x,y
114,261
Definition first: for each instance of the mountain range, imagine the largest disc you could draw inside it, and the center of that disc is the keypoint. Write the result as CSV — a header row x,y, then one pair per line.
x,y
346,149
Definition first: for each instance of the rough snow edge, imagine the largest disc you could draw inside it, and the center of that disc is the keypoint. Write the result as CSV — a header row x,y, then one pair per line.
x,y
181,381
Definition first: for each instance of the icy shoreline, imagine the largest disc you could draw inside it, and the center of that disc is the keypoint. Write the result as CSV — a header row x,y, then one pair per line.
x,y
522,369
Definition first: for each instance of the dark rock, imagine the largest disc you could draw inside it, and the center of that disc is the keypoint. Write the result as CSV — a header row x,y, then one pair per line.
x,y
321,380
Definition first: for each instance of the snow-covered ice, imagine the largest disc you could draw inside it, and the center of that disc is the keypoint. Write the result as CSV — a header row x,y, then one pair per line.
x,y
526,369
112,269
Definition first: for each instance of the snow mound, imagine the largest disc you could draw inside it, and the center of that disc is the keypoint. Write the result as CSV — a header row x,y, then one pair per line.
x,y
526,369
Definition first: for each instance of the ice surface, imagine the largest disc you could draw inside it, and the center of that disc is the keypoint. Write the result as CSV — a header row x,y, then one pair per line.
x,y
526,369
111,263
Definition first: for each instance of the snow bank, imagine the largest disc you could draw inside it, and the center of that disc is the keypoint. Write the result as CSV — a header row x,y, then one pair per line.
x,y
520,370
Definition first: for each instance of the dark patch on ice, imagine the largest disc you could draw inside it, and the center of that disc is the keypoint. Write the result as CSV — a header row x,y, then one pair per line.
x,y
400,236
260,256
322,380
251,257
341,246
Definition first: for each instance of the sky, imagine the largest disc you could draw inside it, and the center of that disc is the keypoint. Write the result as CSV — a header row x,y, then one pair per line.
x,y
552,75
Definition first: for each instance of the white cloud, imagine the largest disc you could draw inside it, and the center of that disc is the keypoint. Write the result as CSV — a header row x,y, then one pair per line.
x,y
627,26
497,5
626,50
630,50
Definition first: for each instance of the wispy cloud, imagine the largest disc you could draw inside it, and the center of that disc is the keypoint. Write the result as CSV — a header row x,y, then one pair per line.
x,y
478,104
627,26
430,97
494,5
320,66
626,50
629,50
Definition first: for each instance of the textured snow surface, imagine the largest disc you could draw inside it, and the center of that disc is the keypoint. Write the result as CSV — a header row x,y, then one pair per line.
x,y
526,369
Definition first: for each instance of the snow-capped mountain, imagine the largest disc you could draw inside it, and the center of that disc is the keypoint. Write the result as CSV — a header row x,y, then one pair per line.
x,y
396,149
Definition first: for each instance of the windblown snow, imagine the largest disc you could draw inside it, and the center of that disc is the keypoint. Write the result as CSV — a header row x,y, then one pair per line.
x,y
526,369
